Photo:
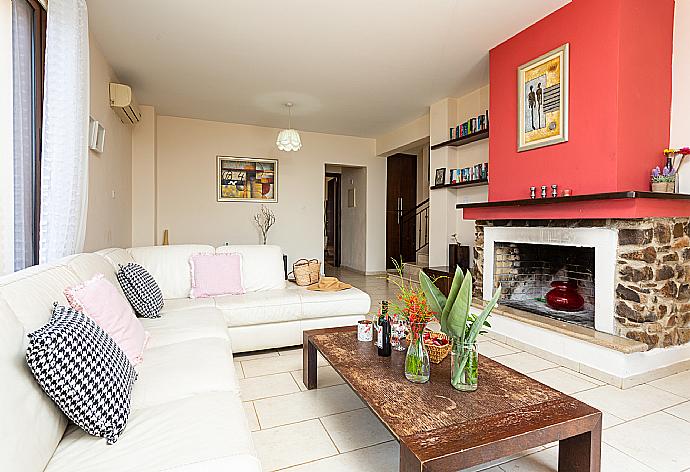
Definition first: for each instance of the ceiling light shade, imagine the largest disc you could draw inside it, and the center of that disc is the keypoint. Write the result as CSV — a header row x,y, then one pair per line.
x,y
289,140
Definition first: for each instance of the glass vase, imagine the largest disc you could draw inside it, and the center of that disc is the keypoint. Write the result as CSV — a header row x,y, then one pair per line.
x,y
417,367
463,366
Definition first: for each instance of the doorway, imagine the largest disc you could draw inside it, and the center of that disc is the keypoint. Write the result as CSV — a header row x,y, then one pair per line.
x,y
401,199
332,216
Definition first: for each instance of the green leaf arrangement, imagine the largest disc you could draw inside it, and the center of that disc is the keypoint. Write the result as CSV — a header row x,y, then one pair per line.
x,y
453,313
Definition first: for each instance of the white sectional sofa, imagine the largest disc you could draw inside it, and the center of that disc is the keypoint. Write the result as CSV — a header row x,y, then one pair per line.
x,y
187,414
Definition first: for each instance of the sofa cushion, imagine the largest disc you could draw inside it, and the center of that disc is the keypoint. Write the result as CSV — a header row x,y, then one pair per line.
x,y
89,264
100,300
31,424
30,293
169,266
116,256
270,306
84,371
262,266
316,304
184,369
173,436
141,290
185,325
216,274
183,304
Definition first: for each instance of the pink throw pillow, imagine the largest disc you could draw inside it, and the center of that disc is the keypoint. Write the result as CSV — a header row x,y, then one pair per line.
x,y
99,299
216,274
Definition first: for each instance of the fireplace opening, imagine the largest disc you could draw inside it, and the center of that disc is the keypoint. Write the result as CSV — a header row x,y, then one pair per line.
x,y
528,272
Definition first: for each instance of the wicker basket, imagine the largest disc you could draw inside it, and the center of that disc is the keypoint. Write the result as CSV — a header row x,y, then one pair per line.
x,y
436,353
306,272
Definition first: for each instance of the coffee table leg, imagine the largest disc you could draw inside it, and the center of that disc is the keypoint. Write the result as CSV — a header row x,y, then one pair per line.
x,y
581,453
309,364
408,461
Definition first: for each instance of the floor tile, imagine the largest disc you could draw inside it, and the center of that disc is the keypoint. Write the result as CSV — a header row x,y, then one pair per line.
x,y
252,420
355,429
239,373
254,388
582,376
659,440
629,403
301,406
545,460
292,444
522,362
380,458
271,365
562,381
290,350
681,411
608,420
678,384
298,353
326,376
493,349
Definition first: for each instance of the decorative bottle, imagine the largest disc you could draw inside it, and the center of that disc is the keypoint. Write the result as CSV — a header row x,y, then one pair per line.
x,y
383,341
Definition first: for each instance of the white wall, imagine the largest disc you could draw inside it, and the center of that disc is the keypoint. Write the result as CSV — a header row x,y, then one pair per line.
x,y
444,218
680,105
353,233
186,179
144,180
109,217
404,138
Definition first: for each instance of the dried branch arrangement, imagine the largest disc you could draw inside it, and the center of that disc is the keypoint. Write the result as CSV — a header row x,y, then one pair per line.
x,y
264,220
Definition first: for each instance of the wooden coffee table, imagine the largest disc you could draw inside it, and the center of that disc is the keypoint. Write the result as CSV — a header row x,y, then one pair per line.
x,y
442,430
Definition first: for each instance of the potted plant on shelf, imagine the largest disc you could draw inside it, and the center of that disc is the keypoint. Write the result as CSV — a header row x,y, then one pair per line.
x,y
412,306
674,160
459,324
663,180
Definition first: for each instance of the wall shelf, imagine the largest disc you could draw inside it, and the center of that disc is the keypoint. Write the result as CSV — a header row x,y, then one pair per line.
x,y
471,183
470,138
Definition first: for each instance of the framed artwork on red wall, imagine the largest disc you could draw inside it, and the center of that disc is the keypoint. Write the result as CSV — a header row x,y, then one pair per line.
x,y
543,100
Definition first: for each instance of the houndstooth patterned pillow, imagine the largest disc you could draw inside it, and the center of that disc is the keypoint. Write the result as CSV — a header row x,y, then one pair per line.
x,y
141,290
83,371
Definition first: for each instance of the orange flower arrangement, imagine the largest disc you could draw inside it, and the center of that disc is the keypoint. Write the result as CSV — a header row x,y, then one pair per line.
x,y
412,305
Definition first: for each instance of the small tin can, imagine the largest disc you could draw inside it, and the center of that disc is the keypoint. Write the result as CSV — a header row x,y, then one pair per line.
x,y
365,331
567,192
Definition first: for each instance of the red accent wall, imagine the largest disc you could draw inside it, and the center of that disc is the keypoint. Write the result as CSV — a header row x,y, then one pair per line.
x,y
620,99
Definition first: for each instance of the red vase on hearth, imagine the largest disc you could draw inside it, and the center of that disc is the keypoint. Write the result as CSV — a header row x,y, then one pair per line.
x,y
563,296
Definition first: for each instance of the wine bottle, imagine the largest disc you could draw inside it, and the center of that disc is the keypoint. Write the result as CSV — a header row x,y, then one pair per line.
x,y
383,342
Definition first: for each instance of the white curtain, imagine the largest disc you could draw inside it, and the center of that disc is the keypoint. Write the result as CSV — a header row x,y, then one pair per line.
x,y
24,137
6,141
64,168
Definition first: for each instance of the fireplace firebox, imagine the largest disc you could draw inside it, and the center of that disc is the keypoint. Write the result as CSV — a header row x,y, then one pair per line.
x,y
526,272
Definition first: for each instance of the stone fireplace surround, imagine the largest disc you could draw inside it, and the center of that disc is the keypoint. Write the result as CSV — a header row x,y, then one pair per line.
x,y
642,284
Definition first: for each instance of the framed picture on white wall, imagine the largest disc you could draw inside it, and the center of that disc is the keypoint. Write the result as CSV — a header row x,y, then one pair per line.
x,y
247,179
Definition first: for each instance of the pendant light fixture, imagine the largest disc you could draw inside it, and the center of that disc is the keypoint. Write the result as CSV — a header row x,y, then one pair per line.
x,y
288,139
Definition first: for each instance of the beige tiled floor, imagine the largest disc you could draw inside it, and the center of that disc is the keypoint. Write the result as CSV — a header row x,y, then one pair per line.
x,y
646,428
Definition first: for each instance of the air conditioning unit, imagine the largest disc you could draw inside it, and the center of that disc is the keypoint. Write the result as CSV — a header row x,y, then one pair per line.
x,y
123,103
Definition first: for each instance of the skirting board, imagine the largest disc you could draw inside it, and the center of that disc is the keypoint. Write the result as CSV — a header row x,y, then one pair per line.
x,y
614,367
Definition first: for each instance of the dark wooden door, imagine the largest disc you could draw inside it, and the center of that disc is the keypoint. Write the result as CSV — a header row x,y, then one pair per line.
x,y
401,184
332,245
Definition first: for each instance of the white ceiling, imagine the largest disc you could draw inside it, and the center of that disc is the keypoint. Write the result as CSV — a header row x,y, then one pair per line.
x,y
354,67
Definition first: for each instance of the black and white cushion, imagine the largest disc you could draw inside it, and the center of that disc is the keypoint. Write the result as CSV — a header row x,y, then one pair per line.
x,y
83,371
141,290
